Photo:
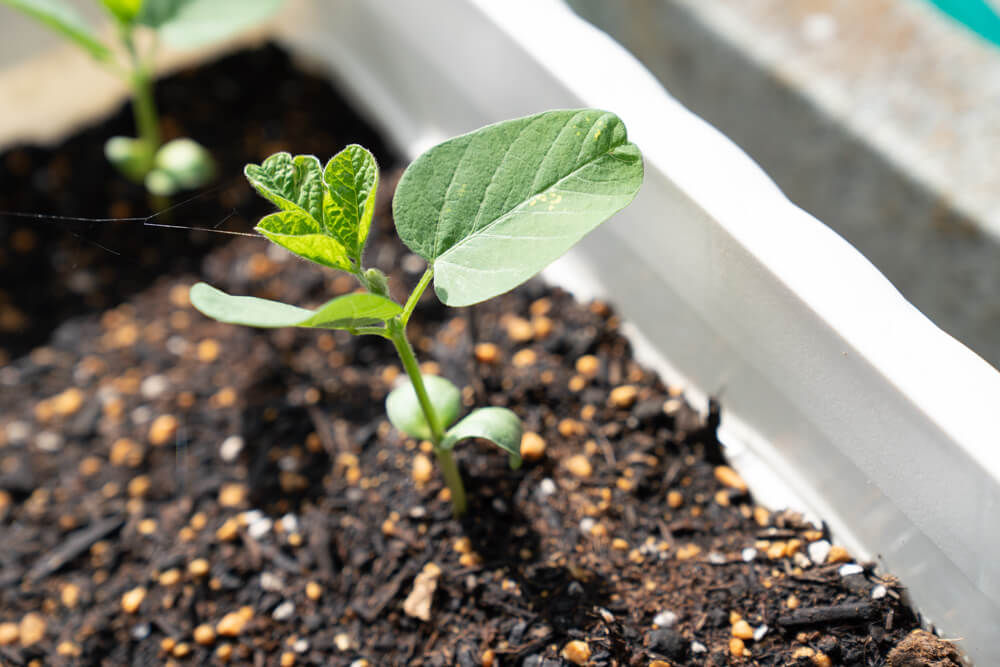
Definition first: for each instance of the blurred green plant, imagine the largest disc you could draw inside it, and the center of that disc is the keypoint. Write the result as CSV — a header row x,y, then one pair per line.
x,y
487,211
182,163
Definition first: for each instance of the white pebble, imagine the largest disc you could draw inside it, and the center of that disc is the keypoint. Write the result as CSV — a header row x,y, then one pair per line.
x,y
748,554
849,569
176,345
259,528
17,432
818,551
154,386
301,646
252,516
413,263
276,253
546,488
698,647
290,523
759,632
231,448
879,592
283,611
586,524
142,415
49,441
665,619
715,558
801,560
271,582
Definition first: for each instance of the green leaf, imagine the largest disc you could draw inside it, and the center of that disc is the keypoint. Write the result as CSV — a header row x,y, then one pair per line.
x,y
498,425
291,184
303,235
123,10
63,18
192,23
494,207
350,311
403,406
351,178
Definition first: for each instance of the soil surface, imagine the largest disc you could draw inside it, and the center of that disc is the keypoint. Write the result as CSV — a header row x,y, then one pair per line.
x,y
175,490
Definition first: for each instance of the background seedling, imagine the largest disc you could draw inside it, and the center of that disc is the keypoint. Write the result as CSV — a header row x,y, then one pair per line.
x,y
181,163
487,210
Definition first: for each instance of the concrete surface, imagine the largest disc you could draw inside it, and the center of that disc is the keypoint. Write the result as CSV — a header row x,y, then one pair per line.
x,y
878,117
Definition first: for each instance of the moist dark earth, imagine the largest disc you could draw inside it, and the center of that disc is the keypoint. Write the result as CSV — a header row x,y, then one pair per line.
x,y
178,491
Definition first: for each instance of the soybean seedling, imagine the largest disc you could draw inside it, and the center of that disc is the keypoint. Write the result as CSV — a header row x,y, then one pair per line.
x,y
182,163
487,210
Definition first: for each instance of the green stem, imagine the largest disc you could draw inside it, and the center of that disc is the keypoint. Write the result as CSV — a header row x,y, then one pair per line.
x,y
147,123
452,477
418,291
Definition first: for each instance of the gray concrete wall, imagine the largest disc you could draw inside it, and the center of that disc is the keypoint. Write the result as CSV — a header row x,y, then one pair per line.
x,y
880,118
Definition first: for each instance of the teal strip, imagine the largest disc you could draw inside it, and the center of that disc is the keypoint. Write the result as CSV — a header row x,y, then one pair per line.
x,y
977,15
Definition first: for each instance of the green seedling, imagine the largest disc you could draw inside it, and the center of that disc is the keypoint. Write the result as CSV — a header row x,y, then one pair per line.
x,y
487,210
181,163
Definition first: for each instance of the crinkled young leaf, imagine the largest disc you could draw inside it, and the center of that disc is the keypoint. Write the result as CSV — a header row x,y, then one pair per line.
x,y
351,178
191,23
350,311
492,208
498,425
63,18
303,235
291,184
403,406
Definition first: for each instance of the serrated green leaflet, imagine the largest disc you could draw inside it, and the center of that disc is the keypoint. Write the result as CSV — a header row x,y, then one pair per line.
x,y
498,425
63,18
303,235
191,23
351,311
351,178
405,413
291,184
492,208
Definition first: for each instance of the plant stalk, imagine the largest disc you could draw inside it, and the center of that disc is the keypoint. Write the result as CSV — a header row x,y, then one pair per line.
x,y
147,122
452,477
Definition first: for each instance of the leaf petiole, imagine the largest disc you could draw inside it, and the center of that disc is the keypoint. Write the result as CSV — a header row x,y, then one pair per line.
x,y
418,291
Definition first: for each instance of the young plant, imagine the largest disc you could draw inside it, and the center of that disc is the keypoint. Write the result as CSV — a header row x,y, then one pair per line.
x,y
182,163
487,210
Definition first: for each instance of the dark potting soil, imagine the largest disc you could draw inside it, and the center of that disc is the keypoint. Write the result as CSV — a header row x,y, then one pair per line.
x,y
51,269
177,490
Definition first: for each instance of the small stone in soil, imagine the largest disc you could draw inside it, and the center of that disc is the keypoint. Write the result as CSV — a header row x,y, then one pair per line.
x,y
668,643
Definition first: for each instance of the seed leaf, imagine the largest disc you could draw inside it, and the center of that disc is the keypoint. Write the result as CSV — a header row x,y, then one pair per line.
x,y
405,413
498,425
492,208
351,178
303,235
350,311
191,23
64,19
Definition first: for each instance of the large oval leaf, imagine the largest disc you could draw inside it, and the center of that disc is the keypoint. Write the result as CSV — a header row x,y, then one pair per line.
x,y
351,178
494,207
405,413
350,311
498,425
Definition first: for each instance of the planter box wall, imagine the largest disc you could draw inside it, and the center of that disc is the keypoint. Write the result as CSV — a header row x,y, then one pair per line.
x,y
837,393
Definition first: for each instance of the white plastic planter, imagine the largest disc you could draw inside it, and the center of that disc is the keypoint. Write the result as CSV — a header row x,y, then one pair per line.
x,y
838,396
835,390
